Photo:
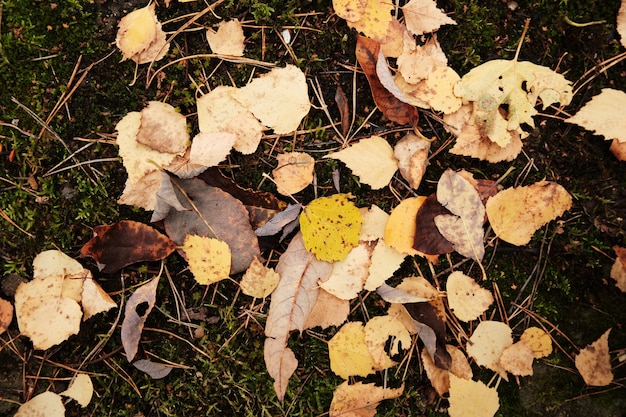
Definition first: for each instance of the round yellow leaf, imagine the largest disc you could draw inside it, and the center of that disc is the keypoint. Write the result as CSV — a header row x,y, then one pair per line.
x,y
209,259
294,172
81,389
538,340
487,343
348,352
472,398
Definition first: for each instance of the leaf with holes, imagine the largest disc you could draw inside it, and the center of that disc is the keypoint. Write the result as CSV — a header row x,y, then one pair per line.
x,y
138,307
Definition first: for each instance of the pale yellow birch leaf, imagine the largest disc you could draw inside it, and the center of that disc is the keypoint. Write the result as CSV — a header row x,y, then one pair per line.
x,y
359,399
594,362
603,115
228,40
423,16
472,398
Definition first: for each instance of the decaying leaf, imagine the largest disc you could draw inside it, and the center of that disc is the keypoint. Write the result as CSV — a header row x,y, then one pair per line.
x,y
594,362
228,40
367,51
487,343
80,389
618,149
440,378
140,36
143,192
284,221
349,353
618,270
518,359
154,369
124,243
331,226
294,172
6,314
291,303
279,99
138,307
46,404
94,299
371,159
430,319
472,398
423,16
538,340
163,129
412,154
259,281
427,238
504,94
372,17
378,331
209,149
598,115
359,399
463,227
516,213
466,298
328,311
621,23
208,258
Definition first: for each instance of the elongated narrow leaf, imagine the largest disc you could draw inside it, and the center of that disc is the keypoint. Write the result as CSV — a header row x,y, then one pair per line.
x,y
137,309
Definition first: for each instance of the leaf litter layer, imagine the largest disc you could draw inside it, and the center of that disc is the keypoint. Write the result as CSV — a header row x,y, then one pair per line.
x,y
551,280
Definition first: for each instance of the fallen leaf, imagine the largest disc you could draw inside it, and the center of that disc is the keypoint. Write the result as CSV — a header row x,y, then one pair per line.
x,y
440,378
228,40
538,340
367,51
516,213
423,16
594,362
618,149
463,227
155,370
143,192
124,243
427,238
412,154
163,129
431,316
259,281
621,23
138,307
348,275
518,359
291,303
46,404
6,315
466,298
374,223
487,343
328,311
618,270
378,331
598,115
348,352
94,299
384,261
370,159
209,149
208,258
281,222
418,61
279,98
344,110
472,398
372,17
214,213
397,295
294,172
359,399
331,226
140,37
504,94
80,389
400,229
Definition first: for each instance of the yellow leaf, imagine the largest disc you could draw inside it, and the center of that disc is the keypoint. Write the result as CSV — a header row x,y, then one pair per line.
x,y
331,227
259,281
594,362
384,261
140,36
349,274
209,259
374,222
378,330
228,40
423,16
516,213
472,398
348,352
487,343
372,17
371,160
440,378
466,298
538,340
80,389
600,115
94,299
400,229
46,404
359,399
294,172
515,85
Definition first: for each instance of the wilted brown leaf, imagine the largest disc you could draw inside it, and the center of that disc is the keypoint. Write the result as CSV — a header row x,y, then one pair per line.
x,y
428,239
6,314
344,110
138,307
594,362
618,270
432,315
124,243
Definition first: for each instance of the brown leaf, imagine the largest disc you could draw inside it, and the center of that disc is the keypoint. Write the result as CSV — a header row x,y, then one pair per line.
x,y
594,362
6,315
344,110
137,309
392,108
126,242
432,315
427,238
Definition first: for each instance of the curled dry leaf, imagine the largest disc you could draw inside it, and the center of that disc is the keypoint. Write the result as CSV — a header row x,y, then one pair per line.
x,y
294,172
292,301
138,307
423,16
360,399
487,343
228,40
598,115
516,213
618,270
430,319
140,36
466,298
472,398
371,159
367,52
594,362
348,352
124,243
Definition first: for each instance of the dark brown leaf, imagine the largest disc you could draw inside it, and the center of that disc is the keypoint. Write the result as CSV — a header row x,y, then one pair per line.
x,y
432,315
392,108
124,243
427,238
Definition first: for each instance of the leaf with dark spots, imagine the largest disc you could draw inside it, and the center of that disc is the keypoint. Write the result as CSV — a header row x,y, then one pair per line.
x,y
124,243
427,238
431,315
391,107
